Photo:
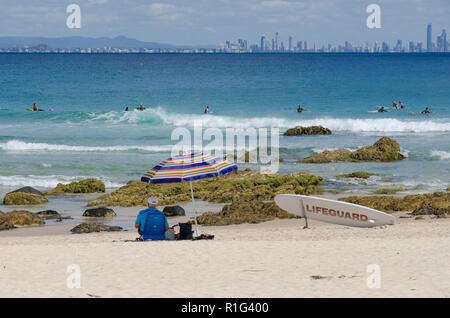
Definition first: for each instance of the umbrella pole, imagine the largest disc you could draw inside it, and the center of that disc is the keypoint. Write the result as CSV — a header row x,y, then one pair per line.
x,y
195,210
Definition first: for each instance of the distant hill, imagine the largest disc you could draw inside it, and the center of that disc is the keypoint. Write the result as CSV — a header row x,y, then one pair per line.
x,y
76,42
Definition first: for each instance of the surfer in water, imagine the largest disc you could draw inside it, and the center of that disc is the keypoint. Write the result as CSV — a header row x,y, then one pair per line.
x,y
300,109
207,109
141,107
394,104
35,108
382,110
127,109
426,111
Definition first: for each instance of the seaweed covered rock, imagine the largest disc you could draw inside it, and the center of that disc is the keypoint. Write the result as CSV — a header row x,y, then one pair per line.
x,y
302,131
358,175
238,186
20,198
383,150
407,203
100,212
389,190
19,218
244,212
94,227
52,215
83,186
428,210
174,211
328,156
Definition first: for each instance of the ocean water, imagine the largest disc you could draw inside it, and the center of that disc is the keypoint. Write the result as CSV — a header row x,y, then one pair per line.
x,y
89,135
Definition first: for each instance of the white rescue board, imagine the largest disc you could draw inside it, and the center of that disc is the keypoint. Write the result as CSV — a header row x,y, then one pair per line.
x,y
333,211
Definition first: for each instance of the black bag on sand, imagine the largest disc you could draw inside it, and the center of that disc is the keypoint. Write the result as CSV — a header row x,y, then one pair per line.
x,y
185,231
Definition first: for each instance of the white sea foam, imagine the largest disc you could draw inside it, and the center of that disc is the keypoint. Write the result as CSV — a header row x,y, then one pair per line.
x,y
21,146
442,155
49,181
17,146
160,116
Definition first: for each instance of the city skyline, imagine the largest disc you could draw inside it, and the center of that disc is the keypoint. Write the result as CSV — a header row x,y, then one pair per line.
x,y
206,22
276,44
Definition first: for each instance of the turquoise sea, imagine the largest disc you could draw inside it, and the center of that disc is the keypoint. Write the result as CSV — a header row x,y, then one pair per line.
x,y
89,135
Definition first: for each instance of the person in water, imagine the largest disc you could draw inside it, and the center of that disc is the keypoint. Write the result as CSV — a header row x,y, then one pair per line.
x,y
382,110
141,107
394,104
300,109
35,108
426,111
127,108
207,110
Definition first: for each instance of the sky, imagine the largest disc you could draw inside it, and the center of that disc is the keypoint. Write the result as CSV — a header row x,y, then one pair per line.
x,y
211,22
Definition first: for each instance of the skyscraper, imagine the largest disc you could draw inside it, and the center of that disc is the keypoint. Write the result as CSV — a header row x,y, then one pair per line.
x,y
444,40
276,41
263,41
429,38
291,43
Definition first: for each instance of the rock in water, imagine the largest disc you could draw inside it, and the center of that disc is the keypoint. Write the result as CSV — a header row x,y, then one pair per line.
x,y
302,131
358,175
21,218
52,215
100,212
28,190
20,198
174,211
384,150
84,186
94,227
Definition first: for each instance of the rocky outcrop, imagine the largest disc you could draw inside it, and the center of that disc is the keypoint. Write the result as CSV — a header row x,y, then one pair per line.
x,y
238,186
174,211
100,212
29,190
244,212
389,190
20,198
358,175
52,215
94,227
19,218
428,210
438,200
83,186
308,131
384,150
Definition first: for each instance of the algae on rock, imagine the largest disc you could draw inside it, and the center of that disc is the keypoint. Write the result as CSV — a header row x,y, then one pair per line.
x,y
83,186
238,186
384,150
20,198
407,203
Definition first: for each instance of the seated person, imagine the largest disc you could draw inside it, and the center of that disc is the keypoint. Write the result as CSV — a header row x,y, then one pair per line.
x,y
152,223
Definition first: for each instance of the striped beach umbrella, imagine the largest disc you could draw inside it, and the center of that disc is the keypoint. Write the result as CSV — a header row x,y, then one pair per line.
x,y
188,168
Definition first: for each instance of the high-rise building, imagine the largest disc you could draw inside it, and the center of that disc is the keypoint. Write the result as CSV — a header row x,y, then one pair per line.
x,y
276,41
429,38
263,41
306,45
299,46
444,41
291,40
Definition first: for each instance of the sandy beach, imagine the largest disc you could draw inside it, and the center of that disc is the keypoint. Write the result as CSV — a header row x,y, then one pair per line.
x,y
272,259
